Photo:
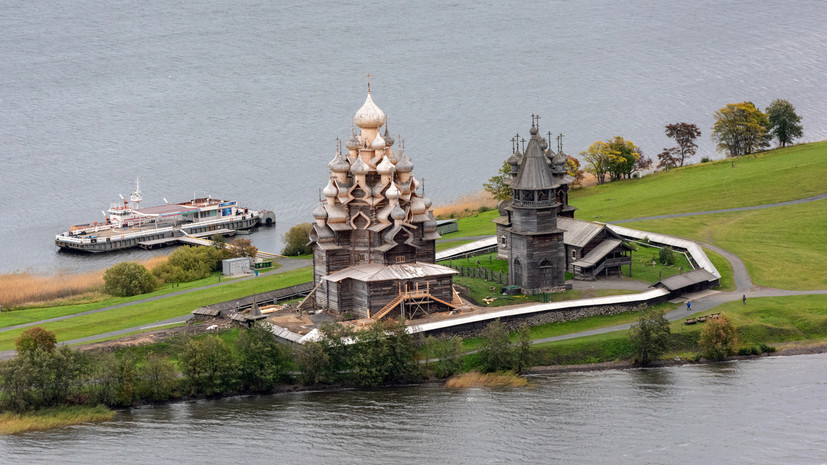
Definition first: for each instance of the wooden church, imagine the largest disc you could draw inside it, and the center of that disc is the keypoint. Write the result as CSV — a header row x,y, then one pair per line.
x,y
374,234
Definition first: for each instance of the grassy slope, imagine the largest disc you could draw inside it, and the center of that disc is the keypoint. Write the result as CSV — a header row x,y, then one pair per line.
x,y
785,174
159,310
475,225
781,247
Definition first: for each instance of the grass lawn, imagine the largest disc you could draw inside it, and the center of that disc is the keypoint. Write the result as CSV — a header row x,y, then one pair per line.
x,y
480,289
782,247
727,281
159,310
775,176
37,313
488,260
643,270
442,245
768,320
475,225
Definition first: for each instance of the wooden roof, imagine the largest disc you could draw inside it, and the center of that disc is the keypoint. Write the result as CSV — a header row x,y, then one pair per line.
x,y
370,272
690,278
534,172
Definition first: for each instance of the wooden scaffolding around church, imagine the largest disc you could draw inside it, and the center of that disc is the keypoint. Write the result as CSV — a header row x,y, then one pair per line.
x,y
413,302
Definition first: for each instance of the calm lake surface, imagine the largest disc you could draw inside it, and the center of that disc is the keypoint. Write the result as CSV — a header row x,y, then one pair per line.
x,y
245,99
769,411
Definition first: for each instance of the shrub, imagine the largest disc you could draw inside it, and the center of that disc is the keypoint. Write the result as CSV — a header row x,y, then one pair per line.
x,y
448,352
650,335
496,353
189,263
666,256
35,338
296,240
127,279
705,160
766,349
718,338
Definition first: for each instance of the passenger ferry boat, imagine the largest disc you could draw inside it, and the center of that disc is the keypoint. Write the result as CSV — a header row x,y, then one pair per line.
x,y
128,225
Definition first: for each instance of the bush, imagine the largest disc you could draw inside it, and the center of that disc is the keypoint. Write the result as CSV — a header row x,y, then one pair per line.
x,y
189,263
496,353
666,256
448,352
35,338
766,349
650,335
296,240
705,160
127,279
718,338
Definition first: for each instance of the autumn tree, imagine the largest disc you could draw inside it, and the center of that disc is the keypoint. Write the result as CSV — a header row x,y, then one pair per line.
x,y
784,122
616,157
296,240
650,335
573,170
597,161
668,159
243,248
684,135
740,129
719,338
35,338
497,186
642,164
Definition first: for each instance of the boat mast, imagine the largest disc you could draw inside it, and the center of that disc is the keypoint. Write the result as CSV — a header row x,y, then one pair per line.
x,y
136,196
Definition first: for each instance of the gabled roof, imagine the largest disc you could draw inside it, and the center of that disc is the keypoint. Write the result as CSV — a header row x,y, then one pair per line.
x,y
680,281
578,233
598,253
534,172
369,272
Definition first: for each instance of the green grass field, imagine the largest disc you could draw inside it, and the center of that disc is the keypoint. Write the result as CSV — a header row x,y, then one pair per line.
x,y
782,247
795,172
159,310
475,225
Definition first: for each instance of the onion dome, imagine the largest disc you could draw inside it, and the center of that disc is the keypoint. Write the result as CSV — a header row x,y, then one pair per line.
x,y
330,190
369,116
338,164
404,165
392,193
359,167
533,131
378,142
386,167
388,139
560,158
416,184
543,144
352,143
398,214
417,206
320,213
391,156
514,159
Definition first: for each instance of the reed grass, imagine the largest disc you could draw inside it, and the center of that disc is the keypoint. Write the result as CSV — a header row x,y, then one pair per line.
x,y
466,205
24,288
45,419
476,379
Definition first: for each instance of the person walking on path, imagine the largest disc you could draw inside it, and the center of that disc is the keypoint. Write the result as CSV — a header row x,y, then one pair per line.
x,y
688,306
744,299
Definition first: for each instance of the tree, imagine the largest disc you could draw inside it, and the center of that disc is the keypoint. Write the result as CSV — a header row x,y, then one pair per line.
x,y
685,135
262,360
296,240
740,129
209,366
189,263
158,378
448,352
243,248
313,362
784,122
497,185
650,335
127,279
719,338
668,158
642,164
496,352
666,256
522,355
616,157
35,338
573,170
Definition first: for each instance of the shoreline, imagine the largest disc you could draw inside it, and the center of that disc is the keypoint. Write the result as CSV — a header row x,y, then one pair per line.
x,y
784,349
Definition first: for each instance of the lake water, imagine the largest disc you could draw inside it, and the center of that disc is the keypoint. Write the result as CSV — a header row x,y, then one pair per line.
x,y
772,410
245,99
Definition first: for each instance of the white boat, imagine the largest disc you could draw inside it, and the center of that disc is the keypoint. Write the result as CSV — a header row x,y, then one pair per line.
x,y
127,224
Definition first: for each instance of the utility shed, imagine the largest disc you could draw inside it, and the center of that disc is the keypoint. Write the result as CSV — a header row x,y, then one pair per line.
x,y
235,266
446,226
695,280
